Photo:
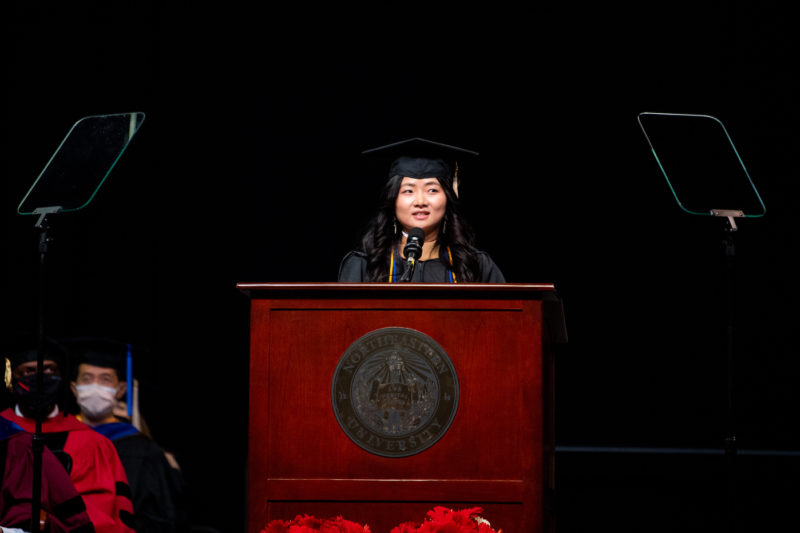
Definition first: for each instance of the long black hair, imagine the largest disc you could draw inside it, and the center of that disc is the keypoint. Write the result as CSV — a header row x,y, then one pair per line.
x,y
454,232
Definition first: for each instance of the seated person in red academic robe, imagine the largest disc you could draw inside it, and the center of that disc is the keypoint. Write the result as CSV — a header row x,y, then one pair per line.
x,y
62,509
90,458
156,486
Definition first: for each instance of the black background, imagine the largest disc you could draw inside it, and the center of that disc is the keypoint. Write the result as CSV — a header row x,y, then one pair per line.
x,y
247,168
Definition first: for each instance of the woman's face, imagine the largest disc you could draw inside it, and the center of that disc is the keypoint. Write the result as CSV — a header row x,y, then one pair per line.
x,y
421,203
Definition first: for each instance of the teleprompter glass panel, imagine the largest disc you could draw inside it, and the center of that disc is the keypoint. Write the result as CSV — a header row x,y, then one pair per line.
x,y
81,163
701,164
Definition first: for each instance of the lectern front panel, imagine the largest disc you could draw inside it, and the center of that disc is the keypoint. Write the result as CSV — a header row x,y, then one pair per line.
x,y
398,450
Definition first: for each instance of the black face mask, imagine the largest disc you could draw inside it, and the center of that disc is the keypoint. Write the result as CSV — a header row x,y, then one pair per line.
x,y
31,403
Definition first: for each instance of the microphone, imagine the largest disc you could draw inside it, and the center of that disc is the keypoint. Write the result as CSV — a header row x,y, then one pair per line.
x,y
414,241
412,251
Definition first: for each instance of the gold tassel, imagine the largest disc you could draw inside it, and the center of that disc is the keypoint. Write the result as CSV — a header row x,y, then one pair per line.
x,y
455,180
7,375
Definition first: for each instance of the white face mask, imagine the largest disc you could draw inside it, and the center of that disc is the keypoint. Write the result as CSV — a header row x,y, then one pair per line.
x,y
96,401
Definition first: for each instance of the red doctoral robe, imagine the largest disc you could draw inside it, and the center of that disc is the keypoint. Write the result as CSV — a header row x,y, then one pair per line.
x,y
97,472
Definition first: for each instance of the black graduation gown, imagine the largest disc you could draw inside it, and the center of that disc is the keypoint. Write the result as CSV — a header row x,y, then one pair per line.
x,y
156,487
354,268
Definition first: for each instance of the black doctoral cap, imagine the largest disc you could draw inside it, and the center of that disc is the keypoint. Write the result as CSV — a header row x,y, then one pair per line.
x,y
25,349
420,158
102,352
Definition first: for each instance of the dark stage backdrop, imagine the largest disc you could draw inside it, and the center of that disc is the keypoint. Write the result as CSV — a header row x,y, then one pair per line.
x,y
247,168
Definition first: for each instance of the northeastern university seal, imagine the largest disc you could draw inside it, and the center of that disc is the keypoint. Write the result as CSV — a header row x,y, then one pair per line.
x,y
394,392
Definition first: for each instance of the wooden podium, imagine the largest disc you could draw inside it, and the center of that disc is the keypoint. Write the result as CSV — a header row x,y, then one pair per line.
x,y
321,445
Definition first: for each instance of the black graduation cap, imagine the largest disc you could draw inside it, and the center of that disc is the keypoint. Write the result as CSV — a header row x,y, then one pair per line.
x,y
421,158
102,352
25,349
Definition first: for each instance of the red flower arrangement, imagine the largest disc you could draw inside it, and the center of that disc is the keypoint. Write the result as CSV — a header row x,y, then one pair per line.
x,y
311,524
444,520
438,520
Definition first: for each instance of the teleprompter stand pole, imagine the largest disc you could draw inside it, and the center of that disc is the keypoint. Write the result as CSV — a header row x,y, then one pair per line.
x,y
42,226
730,429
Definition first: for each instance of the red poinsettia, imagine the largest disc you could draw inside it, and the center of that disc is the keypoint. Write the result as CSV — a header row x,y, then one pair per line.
x,y
438,520
444,520
312,524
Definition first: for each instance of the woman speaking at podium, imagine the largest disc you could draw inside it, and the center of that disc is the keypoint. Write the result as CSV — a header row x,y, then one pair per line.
x,y
419,234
